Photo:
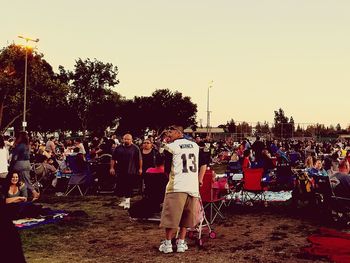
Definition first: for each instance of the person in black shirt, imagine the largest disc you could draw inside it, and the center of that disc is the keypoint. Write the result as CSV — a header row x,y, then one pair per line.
x,y
149,154
126,163
257,147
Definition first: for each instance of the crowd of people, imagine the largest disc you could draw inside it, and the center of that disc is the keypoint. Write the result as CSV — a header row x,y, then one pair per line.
x,y
28,158
316,159
166,170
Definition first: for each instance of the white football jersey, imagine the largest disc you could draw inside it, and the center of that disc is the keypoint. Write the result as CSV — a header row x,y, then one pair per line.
x,y
183,176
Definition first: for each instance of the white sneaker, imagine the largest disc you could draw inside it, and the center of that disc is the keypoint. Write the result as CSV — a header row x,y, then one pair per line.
x,y
122,203
181,246
127,203
166,248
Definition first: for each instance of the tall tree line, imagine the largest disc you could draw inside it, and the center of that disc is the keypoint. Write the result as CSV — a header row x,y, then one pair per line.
x,y
83,99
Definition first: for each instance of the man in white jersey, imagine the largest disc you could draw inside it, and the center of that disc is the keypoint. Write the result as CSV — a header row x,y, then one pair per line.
x,y
185,169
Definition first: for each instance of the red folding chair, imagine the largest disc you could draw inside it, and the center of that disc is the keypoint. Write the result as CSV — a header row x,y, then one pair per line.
x,y
210,195
252,189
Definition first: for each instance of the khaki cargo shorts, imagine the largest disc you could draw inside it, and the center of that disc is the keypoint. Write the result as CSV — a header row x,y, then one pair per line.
x,y
179,210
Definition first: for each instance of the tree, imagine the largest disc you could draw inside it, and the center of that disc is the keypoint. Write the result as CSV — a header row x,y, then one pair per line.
x,y
156,112
89,95
41,87
283,128
5,84
265,128
243,129
172,107
135,116
299,132
290,127
105,111
338,127
231,126
310,131
11,79
51,112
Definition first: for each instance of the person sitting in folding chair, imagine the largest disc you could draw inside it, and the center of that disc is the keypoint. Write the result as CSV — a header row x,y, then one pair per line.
x,y
45,173
317,169
80,173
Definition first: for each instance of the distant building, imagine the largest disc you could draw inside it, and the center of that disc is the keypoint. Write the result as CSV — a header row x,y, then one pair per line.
x,y
216,133
344,137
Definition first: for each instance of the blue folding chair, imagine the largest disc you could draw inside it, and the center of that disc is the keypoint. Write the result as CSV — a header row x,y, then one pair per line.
x,y
80,176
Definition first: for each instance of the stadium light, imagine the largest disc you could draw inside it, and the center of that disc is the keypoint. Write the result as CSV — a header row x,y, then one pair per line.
x,y
27,39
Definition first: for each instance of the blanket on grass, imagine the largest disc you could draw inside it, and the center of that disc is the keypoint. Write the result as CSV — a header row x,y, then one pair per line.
x,y
52,217
270,196
330,243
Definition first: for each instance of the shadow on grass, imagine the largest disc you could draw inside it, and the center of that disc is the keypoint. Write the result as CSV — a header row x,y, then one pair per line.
x,y
33,238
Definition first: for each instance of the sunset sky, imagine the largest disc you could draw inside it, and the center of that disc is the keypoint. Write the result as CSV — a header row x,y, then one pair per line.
x,y
261,54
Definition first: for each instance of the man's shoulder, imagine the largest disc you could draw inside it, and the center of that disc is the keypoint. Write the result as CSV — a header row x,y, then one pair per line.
x,y
126,149
135,147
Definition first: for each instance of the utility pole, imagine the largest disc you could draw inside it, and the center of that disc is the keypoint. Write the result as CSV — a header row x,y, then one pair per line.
x,y
208,111
27,39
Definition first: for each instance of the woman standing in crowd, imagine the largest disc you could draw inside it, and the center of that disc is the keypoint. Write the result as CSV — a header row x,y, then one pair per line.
x,y
148,158
20,161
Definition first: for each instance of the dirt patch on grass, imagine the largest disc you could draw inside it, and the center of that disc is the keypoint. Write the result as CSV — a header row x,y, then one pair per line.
x,y
100,231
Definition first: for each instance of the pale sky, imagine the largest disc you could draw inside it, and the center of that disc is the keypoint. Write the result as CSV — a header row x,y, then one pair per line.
x,y
261,54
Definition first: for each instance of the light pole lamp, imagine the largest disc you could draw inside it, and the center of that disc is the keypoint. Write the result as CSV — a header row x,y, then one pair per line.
x,y
208,111
27,39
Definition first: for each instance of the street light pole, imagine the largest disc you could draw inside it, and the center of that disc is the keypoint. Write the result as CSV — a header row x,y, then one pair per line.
x,y
24,123
27,39
208,112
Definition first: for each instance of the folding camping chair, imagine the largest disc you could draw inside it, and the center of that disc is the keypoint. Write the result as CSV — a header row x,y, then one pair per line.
x,y
104,182
335,200
252,189
41,177
284,177
79,176
210,196
37,171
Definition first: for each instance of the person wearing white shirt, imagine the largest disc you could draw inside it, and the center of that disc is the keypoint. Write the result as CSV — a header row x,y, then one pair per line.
x,y
4,158
185,169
